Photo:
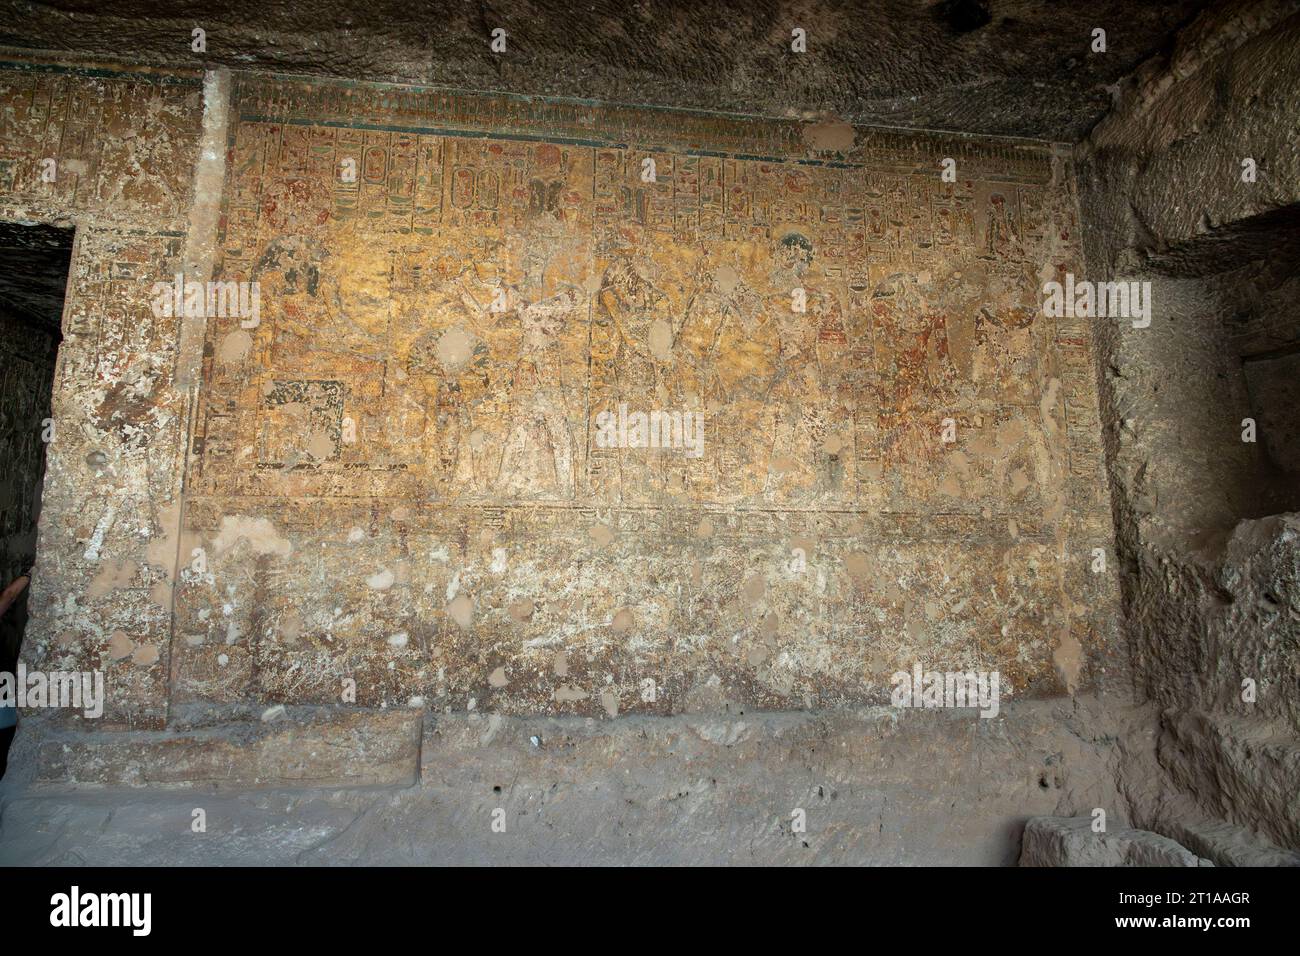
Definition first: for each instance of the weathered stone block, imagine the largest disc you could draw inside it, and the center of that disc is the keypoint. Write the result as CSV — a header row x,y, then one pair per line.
x,y
1229,845
1070,841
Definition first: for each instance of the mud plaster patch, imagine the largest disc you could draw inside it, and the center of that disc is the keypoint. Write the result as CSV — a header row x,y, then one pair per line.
x,y
455,347
119,646
112,575
144,655
164,550
320,446
258,533
161,593
235,347
1068,658
609,700
858,566
727,279
830,135
461,610
1048,404
291,627
661,340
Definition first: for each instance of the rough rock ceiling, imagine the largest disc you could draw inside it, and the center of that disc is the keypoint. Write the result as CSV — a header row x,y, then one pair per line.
x,y
34,272
997,67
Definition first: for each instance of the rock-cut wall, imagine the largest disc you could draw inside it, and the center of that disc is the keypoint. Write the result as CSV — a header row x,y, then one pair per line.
x,y
384,465
399,477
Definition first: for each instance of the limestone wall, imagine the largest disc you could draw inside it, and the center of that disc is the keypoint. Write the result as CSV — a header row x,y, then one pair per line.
x,y
1207,529
390,474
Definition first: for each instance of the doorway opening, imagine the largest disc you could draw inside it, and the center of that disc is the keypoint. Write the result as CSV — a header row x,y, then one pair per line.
x,y
1228,383
34,263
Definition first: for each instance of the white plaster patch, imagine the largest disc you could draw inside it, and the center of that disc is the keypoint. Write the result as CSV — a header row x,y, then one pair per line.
x,y
381,580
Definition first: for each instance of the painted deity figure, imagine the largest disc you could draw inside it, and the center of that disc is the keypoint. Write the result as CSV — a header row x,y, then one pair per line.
x,y
1000,238
537,460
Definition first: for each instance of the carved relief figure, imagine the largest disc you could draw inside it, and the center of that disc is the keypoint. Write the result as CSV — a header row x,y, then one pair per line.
x,y
537,459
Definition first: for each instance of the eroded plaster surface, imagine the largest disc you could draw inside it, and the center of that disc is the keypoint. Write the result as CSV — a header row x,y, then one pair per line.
x,y
391,473
395,474
122,151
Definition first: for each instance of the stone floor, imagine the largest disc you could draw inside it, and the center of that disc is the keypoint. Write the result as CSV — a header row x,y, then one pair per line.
x,y
874,788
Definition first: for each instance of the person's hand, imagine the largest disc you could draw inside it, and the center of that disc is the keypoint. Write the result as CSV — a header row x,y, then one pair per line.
x,y
10,594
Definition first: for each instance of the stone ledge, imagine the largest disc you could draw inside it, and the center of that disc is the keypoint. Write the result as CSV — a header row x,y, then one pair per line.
x,y
1070,841
878,788
360,749
1230,845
